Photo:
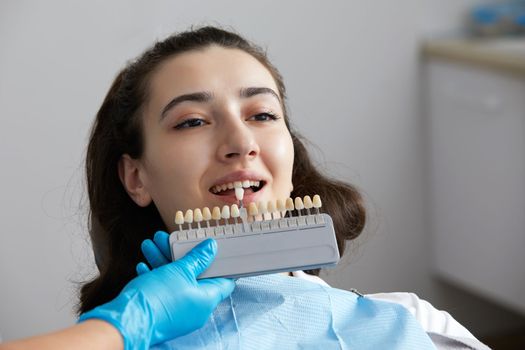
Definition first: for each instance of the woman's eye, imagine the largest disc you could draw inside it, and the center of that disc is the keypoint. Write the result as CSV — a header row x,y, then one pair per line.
x,y
190,123
262,117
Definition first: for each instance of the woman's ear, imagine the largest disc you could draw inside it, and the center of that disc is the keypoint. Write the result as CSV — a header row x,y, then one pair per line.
x,y
129,171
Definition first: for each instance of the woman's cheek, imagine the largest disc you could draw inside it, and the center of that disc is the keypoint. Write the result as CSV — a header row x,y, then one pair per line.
x,y
279,153
173,166
284,149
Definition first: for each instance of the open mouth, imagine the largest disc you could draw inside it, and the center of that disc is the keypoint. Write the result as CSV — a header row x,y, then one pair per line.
x,y
228,189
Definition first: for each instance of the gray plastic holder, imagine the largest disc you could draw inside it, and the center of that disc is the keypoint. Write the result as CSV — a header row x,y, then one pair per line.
x,y
262,247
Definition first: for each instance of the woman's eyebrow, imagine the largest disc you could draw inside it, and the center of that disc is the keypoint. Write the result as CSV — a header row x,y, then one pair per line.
x,y
203,96
252,91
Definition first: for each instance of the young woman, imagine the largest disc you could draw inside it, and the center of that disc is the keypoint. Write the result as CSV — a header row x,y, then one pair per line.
x,y
195,113
199,109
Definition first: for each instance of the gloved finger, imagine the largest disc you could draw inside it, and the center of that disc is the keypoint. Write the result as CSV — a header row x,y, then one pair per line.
x,y
217,289
153,254
197,260
142,268
162,240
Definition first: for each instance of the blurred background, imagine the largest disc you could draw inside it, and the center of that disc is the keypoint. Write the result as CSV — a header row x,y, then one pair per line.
x,y
420,103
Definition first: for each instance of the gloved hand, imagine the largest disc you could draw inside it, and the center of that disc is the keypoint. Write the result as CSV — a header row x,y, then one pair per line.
x,y
156,252
166,302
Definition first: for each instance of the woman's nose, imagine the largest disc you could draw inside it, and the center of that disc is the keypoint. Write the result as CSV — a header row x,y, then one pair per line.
x,y
238,143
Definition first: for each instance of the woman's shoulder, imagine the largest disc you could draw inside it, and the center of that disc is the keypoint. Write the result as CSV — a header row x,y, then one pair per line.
x,y
430,318
442,328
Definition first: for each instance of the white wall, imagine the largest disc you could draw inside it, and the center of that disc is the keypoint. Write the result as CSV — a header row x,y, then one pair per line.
x,y
351,72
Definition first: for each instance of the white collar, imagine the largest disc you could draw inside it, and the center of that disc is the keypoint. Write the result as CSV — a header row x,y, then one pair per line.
x,y
303,275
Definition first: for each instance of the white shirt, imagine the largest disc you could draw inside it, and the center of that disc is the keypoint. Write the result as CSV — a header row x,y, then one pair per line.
x,y
443,329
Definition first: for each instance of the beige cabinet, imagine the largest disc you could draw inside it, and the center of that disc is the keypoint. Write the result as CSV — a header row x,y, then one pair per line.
x,y
476,138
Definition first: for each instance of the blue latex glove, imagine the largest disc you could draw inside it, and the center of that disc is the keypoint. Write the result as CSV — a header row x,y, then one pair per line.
x,y
156,252
167,302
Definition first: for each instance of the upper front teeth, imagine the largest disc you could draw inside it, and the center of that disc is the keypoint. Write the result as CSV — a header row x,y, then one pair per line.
x,y
236,184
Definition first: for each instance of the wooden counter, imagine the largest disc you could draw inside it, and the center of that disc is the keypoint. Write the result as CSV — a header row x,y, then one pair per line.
x,y
502,54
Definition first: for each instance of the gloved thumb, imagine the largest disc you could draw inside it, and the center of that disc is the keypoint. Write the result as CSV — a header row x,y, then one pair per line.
x,y
200,257
217,289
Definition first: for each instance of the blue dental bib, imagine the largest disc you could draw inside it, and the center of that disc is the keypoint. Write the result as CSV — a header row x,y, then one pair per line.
x,y
280,312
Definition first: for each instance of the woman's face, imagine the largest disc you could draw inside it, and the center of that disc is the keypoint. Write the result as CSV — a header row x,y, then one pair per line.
x,y
213,117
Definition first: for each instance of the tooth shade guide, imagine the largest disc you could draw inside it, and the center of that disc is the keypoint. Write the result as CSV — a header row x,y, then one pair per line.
x,y
197,217
216,213
280,205
263,209
271,209
281,208
298,203
225,213
265,215
316,201
235,212
188,218
179,219
252,210
289,206
206,215
307,204
239,193
301,238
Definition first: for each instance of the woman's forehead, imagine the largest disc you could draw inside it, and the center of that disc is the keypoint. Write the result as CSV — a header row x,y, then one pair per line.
x,y
214,69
